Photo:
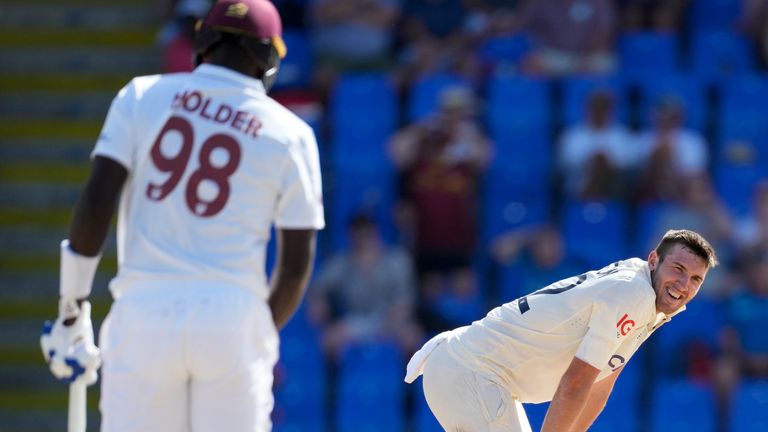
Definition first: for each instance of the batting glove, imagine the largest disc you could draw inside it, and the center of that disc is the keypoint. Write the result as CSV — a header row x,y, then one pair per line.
x,y
69,349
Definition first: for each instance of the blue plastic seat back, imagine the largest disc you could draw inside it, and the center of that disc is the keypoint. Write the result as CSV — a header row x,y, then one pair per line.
x,y
749,410
645,55
682,406
595,231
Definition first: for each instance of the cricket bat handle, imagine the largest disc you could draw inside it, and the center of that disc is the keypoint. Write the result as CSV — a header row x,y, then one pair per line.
x,y
76,419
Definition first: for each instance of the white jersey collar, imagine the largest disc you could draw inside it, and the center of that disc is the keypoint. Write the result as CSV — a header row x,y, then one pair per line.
x,y
227,74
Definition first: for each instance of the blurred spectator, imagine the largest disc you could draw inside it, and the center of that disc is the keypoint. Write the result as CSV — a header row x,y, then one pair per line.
x,y
178,34
752,232
367,293
572,36
659,15
597,156
490,17
440,162
531,258
436,37
669,152
699,208
351,34
744,342
755,23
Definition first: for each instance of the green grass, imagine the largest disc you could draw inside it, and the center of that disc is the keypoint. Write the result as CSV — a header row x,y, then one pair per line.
x,y
121,38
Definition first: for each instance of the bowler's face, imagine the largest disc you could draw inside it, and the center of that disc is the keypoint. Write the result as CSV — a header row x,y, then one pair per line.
x,y
677,278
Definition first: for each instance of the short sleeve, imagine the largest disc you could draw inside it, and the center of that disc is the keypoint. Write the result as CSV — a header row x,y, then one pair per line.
x,y
600,342
116,139
300,204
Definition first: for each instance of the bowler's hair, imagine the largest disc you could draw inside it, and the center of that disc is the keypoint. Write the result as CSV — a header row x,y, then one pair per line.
x,y
690,239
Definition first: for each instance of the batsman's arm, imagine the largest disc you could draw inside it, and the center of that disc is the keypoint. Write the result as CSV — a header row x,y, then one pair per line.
x,y
93,213
570,397
598,396
293,267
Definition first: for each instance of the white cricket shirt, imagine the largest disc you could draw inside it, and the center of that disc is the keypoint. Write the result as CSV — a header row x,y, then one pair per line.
x,y
213,163
601,317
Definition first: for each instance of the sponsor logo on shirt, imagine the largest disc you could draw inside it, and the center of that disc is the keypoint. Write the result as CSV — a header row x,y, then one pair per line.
x,y
616,361
625,325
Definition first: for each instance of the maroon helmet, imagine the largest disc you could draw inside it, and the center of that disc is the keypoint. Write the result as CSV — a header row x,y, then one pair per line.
x,y
255,24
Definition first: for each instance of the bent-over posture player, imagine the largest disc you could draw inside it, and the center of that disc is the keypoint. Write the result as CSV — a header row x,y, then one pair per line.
x,y
204,164
565,343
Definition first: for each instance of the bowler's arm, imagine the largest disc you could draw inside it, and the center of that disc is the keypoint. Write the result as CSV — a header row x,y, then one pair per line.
x,y
598,397
295,255
571,397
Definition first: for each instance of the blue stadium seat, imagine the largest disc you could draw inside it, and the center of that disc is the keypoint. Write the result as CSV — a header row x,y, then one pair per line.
x,y
644,55
505,50
296,67
300,385
742,118
622,412
646,225
745,93
741,147
518,104
715,14
363,114
595,231
743,100
735,183
576,91
749,411
686,88
536,414
693,331
424,95
424,420
299,407
513,198
360,185
719,55
520,124
371,391
682,406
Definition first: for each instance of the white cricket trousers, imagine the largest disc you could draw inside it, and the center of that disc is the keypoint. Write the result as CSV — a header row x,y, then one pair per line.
x,y
183,358
463,400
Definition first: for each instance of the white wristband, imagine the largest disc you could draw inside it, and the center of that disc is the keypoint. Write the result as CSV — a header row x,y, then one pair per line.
x,y
77,273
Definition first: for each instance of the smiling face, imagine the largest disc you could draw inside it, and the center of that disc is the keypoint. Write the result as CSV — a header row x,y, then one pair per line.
x,y
676,278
